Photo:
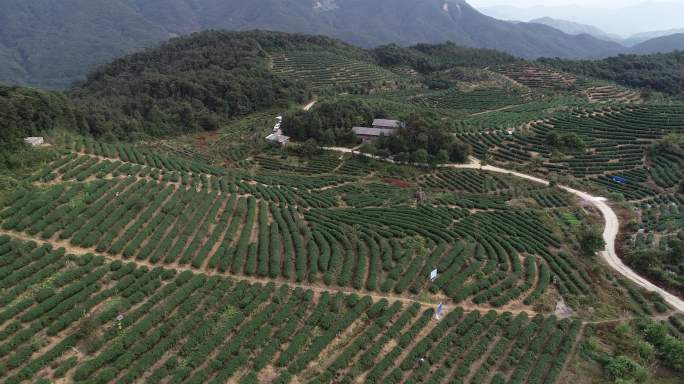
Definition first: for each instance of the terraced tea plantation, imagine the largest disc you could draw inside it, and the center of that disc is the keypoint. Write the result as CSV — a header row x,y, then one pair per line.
x,y
536,77
86,319
119,265
321,69
609,93
216,255
367,236
470,101
616,141
159,263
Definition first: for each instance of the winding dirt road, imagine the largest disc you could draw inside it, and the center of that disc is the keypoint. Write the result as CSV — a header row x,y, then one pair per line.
x,y
610,230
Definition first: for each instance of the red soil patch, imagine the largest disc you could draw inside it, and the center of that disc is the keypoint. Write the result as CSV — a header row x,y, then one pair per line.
x,y
399,183
202,138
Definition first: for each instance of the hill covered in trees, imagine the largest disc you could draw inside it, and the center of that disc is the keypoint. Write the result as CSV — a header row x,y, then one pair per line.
x,y
427,58
190,84
129,261
52,43
198,82
30,112
662,44
660,72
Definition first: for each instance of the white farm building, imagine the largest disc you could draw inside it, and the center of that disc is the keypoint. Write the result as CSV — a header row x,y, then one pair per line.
x,y
34,141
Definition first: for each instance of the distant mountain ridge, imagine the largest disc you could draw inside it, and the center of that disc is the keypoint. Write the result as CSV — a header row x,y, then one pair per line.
x,y
624,20
645,36
640,43
662,44
52,43
573,28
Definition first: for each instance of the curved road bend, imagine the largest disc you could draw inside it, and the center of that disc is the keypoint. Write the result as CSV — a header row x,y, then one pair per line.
x,y
610,231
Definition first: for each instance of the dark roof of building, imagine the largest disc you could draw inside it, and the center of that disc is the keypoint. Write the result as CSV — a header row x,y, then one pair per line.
x,y
385,123
365,131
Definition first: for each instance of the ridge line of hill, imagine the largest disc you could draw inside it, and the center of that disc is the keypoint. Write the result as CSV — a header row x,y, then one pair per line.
x,y
103,30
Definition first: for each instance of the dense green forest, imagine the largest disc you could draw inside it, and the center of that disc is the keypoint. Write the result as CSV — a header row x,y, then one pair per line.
x,y
422,141
199,82
189,84
31,112
655,263
329,122
50,43
660,72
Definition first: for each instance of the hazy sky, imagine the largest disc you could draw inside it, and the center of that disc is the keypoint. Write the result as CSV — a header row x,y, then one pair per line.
x,y
623,17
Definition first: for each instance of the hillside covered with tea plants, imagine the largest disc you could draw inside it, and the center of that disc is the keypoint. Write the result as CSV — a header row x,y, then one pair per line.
x,y
156,237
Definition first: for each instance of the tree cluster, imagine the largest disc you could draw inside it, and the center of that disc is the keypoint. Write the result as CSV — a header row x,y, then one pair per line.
x,y
668,348
623,368
671,143
422,142
330,122
660,72
564,142
30,112
591,240
654,262
187,84
426,58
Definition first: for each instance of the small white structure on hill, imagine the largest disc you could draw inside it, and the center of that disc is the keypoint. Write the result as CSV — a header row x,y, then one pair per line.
x,y
34,141
277,138
381,127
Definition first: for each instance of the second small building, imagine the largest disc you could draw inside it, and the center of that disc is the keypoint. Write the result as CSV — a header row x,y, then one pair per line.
x,y
381,127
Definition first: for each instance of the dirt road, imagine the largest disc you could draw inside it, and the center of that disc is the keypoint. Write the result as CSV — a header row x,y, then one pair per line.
x,y
610,230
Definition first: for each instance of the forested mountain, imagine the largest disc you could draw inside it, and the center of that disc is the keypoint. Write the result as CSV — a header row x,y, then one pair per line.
x,y
664,44
433,57
644,36
573,28
203,80
660,72
640,44
192,83
197,82
51,43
